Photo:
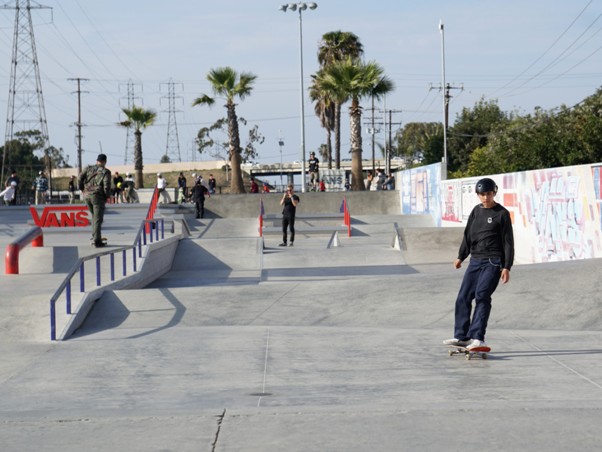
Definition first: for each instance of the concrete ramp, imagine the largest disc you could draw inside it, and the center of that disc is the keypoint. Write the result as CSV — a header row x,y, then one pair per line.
x,y
213,261
430,245
53,259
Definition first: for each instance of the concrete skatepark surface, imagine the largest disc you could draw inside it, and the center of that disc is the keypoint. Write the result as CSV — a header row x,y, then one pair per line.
x,y
310,348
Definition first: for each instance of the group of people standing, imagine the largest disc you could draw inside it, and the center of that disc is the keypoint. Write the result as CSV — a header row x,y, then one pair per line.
x,y
40,187
380,181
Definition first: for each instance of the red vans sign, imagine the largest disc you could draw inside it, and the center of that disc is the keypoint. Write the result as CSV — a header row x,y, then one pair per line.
x,y
61,217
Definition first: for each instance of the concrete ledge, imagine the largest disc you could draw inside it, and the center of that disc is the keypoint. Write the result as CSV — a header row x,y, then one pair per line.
x,y
307,230
158,261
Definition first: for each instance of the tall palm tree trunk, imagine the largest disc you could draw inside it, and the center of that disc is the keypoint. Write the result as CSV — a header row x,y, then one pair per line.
x,y
329,147
355,125
236,185
138,159
337,135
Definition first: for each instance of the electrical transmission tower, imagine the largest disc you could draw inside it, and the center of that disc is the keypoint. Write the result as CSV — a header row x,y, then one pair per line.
x,y
172,149
131,101
25,100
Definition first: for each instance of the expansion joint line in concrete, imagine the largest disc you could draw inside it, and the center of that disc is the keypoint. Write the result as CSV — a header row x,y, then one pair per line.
x,y
220,419
265,367
569,368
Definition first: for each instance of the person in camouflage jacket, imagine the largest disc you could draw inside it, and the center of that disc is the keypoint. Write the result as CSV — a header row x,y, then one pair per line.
x,y
95,184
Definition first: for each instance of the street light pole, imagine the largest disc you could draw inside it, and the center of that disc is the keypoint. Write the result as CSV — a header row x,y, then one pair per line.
x,y
280,144
301,7
445,100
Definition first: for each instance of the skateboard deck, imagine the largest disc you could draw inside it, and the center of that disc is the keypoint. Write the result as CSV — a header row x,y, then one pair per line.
x,y
479,352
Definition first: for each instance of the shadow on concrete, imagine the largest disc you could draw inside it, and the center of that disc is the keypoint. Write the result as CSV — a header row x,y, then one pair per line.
x,y
321,272
108,312
179,312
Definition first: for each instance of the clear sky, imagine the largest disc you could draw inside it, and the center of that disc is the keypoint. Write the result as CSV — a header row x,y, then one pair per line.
x,y
524,53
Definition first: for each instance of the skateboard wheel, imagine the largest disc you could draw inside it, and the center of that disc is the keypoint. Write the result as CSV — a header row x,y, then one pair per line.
x,y
484,355
451,352
468,356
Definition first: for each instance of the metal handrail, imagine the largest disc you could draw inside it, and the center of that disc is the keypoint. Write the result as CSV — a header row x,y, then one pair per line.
x,y
35,236
79,267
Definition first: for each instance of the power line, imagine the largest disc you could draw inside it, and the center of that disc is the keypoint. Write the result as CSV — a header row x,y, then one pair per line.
x,y
78,124
131,101
172,149
25,99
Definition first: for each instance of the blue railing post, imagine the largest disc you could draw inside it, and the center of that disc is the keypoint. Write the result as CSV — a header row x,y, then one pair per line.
x,y
157,230
134,256
68,295
162,228
97,270
112,260
52,321
82,278
123,259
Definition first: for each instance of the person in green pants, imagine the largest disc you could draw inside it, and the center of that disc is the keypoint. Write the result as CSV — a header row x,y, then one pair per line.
x,y
95,184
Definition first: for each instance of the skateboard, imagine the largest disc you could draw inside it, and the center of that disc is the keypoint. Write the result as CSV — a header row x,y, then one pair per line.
x,y
478,352
103,239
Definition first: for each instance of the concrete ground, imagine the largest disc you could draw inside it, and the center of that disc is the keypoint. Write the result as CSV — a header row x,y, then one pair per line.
x,y
248,348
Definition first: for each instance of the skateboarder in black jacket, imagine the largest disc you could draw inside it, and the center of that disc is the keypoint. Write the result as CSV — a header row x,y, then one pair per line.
x,y
489,240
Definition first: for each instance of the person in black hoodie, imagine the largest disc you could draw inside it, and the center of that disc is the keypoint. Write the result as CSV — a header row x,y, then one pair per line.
x,y
198,198
489,240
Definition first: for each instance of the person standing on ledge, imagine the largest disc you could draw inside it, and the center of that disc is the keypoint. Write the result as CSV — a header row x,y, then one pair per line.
x,y
489,240
95,184
290,201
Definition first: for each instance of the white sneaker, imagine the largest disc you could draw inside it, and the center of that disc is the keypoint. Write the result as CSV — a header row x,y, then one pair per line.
x,y
456,342
476,344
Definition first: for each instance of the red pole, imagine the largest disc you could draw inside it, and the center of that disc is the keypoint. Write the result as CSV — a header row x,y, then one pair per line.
x,y
11,257
260,225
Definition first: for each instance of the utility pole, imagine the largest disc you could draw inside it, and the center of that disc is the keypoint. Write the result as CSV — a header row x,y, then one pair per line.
x,y
388,146
446,98
173,141
131,101
79,124
25,99
372,131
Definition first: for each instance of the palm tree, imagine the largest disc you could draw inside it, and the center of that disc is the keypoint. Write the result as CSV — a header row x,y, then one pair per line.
x,y
358,80
324,108
226,82
138,118
338,46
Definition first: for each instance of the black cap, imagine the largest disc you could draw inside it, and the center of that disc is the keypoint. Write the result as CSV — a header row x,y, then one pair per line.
x,y
101,158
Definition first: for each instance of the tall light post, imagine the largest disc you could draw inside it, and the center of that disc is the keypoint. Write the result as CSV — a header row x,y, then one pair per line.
x,y
445,100
280,144
301,7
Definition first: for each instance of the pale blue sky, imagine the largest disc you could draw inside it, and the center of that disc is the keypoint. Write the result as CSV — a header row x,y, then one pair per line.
x,y
523,53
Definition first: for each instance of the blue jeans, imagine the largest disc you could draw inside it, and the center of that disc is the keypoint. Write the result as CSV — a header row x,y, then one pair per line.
x,y
480,281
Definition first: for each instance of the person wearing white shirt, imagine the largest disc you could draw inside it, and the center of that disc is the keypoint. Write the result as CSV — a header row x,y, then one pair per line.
x,y
162,187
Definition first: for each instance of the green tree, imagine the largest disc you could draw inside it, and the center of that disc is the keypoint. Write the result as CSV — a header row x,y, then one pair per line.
x,y
357,80
227,83
207,143
471,130
335,46
423,139
138,119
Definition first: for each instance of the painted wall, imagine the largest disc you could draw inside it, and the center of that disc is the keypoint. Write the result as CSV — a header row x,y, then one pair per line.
x,y
555,212
420,191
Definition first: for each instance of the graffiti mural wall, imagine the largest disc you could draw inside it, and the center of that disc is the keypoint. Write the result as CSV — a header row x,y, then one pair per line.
x,y
555,212
420,191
